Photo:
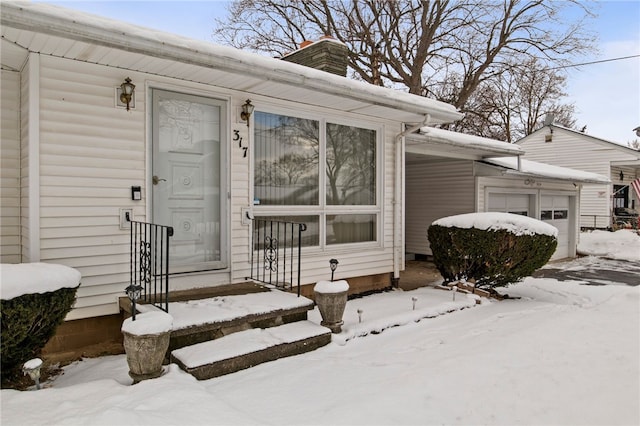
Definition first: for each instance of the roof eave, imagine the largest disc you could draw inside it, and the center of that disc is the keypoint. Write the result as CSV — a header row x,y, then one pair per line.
x,y
51,20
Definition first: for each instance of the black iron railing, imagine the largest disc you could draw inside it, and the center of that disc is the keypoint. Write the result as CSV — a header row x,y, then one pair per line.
x,y
150,262
275,255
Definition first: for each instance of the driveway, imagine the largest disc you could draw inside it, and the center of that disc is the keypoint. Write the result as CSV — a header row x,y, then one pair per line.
x,y
593,271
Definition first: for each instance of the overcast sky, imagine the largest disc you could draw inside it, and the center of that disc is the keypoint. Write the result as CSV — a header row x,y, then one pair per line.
x,y
606,95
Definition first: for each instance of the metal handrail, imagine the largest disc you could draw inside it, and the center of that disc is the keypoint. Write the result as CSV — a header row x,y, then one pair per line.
x,y
276,252
149,262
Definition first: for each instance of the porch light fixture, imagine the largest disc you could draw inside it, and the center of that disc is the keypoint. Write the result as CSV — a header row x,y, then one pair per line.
x,y
133,292
621,175
32,368
247,110
333,264
127,89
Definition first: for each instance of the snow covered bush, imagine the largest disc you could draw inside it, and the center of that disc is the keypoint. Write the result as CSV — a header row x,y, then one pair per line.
x,y
494,249
35,300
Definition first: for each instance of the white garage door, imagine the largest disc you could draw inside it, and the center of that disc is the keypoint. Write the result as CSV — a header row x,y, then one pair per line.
x,y
555,211
509,203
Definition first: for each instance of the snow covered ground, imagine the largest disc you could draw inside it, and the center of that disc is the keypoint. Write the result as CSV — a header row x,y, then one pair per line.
x,y
564,353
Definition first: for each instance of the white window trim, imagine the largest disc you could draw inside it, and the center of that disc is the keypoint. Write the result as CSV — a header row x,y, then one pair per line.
x,y
322,209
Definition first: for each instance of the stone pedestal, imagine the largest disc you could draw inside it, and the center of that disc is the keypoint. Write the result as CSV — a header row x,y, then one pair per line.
x,y
146,341
145,354
331,299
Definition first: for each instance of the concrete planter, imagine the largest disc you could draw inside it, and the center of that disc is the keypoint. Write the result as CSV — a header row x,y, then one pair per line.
x,y
146,341
331,299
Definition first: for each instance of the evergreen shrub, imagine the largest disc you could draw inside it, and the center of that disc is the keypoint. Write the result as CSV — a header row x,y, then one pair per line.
x,y
27,323
493,258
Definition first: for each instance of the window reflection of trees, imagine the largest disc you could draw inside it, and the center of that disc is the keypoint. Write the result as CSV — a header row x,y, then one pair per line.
x,y
351,165
287,165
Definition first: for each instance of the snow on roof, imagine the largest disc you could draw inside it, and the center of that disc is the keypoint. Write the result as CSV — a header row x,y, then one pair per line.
x,y
494,221
31,278
71,24
547,171
470,141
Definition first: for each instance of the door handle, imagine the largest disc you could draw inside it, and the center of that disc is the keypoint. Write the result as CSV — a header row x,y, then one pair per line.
x,y
156,180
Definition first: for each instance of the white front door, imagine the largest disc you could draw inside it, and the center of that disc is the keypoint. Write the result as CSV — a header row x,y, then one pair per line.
x,y
188,178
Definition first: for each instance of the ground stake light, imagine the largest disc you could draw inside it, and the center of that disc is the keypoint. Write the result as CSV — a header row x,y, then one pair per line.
x,y
359,315
333,264
414,300
133,292
32,368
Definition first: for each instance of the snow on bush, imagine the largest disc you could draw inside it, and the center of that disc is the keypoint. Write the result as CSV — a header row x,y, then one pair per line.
x,y
494,249
490,221
30,278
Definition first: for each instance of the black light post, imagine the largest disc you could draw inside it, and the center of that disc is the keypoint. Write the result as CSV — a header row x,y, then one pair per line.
x,y
333,264
133,292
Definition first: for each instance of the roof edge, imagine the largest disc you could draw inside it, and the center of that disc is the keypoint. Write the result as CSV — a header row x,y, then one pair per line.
x,y
57,21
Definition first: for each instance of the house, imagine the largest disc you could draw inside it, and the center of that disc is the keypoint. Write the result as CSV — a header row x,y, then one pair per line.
x,y
105,122
449,173
187,150
560,146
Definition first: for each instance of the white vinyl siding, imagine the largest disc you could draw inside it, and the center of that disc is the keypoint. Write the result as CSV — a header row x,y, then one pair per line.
x,y
434,190
10,249
91,153
568,149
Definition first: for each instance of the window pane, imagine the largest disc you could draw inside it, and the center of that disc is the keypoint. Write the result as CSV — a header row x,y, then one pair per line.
x,y
560,214
351,228
351,165
286,160
546,214
310,237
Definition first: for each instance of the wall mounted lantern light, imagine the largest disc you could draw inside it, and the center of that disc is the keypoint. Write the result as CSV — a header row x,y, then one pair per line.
x,y
247,110
621,175
127,89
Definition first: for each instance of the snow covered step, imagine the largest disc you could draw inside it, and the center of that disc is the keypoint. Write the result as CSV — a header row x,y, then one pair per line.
x,y
247,348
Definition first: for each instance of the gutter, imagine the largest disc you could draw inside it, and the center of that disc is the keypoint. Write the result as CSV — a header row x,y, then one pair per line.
x,y
398,199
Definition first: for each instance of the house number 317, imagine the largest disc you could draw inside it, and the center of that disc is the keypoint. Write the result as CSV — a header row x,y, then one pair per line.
x,y
238,138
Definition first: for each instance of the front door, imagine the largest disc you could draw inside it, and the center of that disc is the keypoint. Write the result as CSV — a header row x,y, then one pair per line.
x,y
188,178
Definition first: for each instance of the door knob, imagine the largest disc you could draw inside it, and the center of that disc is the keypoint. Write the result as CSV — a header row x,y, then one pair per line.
x,y
156,180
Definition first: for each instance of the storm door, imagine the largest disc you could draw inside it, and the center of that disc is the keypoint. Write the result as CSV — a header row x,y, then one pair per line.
x,y
188,178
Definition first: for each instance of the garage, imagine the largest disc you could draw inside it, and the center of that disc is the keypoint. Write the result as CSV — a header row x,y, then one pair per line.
x,y
554,209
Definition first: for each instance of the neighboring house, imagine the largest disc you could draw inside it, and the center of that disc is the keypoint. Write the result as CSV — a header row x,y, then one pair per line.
x,y
450,173
73,156
560,146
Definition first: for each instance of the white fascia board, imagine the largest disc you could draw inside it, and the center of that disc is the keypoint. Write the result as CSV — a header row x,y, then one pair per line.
x,y
545,171
490,147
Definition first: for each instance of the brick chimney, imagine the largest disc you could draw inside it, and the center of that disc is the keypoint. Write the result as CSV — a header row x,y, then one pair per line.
x,y
326,54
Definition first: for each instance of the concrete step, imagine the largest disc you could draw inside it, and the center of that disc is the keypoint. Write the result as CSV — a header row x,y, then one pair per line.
x,y
248,348
198,321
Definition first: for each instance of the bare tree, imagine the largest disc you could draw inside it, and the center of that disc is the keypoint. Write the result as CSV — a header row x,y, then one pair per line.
x,y
438,48
515,103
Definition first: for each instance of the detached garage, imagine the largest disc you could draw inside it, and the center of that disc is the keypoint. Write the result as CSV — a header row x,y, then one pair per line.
x,y
438,185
